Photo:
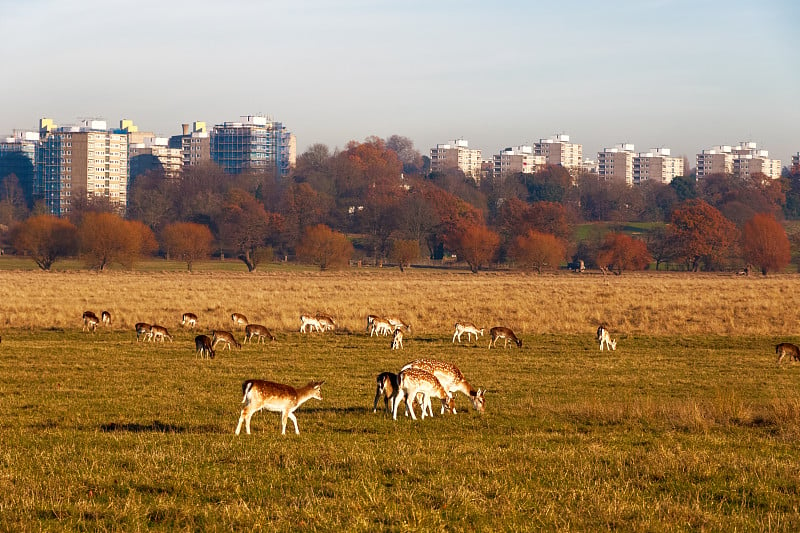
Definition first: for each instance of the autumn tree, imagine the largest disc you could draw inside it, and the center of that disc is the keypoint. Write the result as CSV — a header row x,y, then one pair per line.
x,y
702,235
764,243
188,241
247,229
46,239
537,250
106,238
474,243
622,252
324,247
403,252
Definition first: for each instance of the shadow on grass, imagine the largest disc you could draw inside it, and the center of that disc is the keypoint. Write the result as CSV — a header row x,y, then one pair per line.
x,y
156,427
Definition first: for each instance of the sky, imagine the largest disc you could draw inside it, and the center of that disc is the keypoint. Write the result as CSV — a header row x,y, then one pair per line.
x,y
680,74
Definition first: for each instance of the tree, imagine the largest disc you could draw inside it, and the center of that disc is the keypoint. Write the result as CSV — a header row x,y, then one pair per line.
x,y
324,247
188,241
46,238
474,243
622,252
106,238
538,250
702,235
764,243
247,228
403,252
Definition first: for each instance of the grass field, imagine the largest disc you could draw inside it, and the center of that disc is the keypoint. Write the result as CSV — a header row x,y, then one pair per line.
x,y
689,424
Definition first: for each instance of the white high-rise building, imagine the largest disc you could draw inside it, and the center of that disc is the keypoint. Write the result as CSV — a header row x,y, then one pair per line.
x,y
515,160
558,150
457,154
656,165
616,163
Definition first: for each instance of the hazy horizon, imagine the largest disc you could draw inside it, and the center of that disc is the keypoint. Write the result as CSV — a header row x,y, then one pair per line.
x,y
686,75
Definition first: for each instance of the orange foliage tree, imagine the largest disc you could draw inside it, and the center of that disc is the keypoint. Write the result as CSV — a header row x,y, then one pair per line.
x,y
403,252
622,252
537,250
701,234
106,238
764,243
46,238
474,243
324,247
188,241
247,228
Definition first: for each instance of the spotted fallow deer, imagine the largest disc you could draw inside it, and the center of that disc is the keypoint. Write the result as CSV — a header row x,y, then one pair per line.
x,y
412,381
189,319
143,329
504,333
226,337
452,380
204,346
787,348
239,319
276,397
397,339
326,322
257,330
469,328
105,318
159,333
90,321
604,337
397,323
309,323
379,326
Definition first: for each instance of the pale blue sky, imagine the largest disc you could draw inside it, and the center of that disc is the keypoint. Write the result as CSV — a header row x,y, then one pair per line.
x,y
683,74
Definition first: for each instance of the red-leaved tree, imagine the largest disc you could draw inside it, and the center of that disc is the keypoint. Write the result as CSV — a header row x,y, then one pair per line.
x,y
702,235
46,239
622,252
324,247
764,243
476,244
537,250
187,241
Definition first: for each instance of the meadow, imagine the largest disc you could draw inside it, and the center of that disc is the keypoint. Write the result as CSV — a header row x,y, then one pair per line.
x,y
689,425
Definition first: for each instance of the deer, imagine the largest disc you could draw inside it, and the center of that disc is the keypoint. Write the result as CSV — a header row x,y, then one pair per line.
x,y
605,338
143,329
386,388
468,328
309,323
204,346
787,348
370,319
380,326
105,318
90,321
397,323
189,319
326,322
276,397
397,339
452,380
159,333
239,319
226,337
413,381
500,332
257,330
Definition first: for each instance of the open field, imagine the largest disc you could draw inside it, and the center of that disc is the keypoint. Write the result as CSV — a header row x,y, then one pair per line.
x,y
689,424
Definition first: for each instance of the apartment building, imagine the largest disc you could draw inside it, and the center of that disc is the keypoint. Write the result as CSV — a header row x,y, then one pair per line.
x,y
558,150
796,160
717,160
88,160
194,144
18,157
744,160
656,165
516,160
616,163
256,143
457,155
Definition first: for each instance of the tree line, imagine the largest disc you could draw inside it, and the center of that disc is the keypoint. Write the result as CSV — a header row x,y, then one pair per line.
x,y
378,200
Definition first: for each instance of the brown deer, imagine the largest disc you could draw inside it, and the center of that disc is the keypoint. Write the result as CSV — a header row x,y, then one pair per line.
x,y
226,337
143,329
257,330
397,339
413,381
387,389
159,333
787,348
204,346
189,319
105,318
327,322
504,333
452,380
276,397
90,321
239,319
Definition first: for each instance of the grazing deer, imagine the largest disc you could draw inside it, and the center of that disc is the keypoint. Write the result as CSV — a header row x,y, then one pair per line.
x,y
275,397
159,333
239,319
397,323
787,348
309,323
413,381
387,388
605,338
226,337
257,330
468,328
90,321
452,380
500,332
204,346
370,319
380,326
326,322
143,329
105,318
397,339
189,319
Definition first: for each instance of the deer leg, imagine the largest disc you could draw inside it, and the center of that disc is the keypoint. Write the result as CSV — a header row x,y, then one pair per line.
x,y
294,420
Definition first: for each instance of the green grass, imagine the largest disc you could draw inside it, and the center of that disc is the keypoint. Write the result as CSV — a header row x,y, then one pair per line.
x,y
665,433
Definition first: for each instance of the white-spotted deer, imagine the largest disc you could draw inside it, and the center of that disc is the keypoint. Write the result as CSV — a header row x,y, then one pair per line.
x,y
257,330
326,322
105,318
452,380
90,321
159,333
412,381
397,339
204,347
395,323
380,326
469,328
189,319
370,319
500,332
239,319
276,397
309,323
143,329
787,348
226,337
604,337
